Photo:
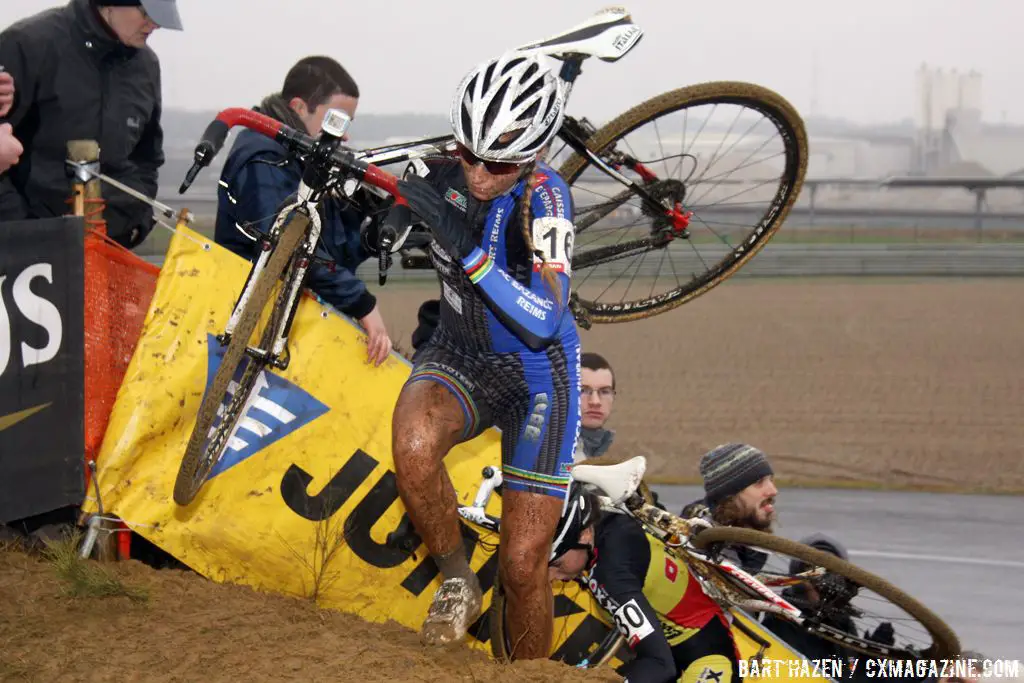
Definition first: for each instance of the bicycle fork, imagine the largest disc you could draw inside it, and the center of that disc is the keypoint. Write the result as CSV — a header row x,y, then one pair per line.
x,y
293,282
476,512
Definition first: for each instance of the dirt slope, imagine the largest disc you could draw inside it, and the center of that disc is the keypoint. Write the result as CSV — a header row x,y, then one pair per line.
x,y
900,382
191,629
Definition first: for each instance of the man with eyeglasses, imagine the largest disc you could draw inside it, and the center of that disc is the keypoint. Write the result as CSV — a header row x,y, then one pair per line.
x,y
597,397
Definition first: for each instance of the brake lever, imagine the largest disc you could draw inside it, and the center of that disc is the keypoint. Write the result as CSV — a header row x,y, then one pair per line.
x,y
387,238
398,217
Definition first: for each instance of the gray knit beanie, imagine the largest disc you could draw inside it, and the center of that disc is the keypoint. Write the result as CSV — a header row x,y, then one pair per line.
x,y
730,468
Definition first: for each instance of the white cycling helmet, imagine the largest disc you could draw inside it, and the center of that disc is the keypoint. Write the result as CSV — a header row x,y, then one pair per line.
x,y
515,92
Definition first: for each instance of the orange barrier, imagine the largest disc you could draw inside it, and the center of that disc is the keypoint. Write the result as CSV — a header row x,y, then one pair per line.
x,y
118,289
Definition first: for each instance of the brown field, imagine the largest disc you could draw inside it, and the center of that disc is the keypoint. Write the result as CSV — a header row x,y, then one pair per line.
x,y
881,383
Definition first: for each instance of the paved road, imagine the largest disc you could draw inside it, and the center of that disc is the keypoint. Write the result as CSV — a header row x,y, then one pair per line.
x,y
962,556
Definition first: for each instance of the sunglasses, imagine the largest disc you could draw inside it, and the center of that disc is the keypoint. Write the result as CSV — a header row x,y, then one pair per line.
x,y
493,167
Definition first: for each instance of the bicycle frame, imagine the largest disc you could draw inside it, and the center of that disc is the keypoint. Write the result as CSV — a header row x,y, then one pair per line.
x,y
674,533
476,513
732,587
316,181
575,134
293,283
572,132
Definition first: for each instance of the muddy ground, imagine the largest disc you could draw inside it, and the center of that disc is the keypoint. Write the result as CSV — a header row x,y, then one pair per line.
x,y
894,383
189,629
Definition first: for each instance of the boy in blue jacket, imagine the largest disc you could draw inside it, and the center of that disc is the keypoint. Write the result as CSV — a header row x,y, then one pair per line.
x,y
258,178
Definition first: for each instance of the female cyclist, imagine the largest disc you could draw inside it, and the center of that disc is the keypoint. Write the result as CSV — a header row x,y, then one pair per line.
x,y
506,351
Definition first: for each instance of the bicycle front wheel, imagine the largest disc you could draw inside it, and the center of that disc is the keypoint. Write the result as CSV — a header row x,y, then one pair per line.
x,y
208,440
846,604
630,261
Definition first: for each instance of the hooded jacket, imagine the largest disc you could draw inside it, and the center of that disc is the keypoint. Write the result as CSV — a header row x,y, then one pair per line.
x,y
74,80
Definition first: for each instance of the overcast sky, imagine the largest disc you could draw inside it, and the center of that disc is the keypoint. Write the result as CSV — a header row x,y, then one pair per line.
x,y
408,55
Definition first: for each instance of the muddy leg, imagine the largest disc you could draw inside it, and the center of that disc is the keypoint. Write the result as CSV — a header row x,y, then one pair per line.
x,y
427,423
528,522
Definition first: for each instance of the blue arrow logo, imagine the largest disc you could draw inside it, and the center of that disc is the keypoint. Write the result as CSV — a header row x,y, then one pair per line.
x,y
275,409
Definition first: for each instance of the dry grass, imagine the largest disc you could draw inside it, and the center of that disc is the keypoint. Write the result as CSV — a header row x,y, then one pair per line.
x,y
319,572
82,578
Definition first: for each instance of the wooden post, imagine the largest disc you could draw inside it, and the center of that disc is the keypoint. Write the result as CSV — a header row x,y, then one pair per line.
x,y
87,195
88,152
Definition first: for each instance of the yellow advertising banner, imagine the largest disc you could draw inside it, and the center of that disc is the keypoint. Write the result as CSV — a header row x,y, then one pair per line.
x,y
304,501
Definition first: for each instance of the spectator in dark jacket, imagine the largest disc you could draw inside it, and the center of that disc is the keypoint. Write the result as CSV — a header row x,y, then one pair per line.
x,y
259,178
84,72
806,597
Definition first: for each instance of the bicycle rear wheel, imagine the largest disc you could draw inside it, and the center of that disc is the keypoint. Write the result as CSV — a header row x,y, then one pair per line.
x,y
832,614
207,442
622,246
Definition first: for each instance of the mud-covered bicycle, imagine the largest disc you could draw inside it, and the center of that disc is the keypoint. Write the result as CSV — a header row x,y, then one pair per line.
x,y
649,215
702,547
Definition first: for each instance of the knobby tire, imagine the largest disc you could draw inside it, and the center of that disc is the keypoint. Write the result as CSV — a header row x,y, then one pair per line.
x,y
197,464
761,99
945,644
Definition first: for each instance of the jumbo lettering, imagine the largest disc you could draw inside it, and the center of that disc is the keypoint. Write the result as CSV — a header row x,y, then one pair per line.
x,y
322,506
403,541
365,515
362,518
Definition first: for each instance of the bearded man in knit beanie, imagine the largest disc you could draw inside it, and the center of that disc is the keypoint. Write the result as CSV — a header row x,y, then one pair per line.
x,y
739,488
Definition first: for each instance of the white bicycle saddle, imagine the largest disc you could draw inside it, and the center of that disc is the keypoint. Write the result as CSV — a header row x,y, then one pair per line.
x,y
608,35
617,482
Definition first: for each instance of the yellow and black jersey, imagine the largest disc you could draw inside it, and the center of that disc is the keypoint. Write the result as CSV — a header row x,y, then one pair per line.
x,y
674,628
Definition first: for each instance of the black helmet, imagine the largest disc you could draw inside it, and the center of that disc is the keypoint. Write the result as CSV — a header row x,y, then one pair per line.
x,y
580,511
